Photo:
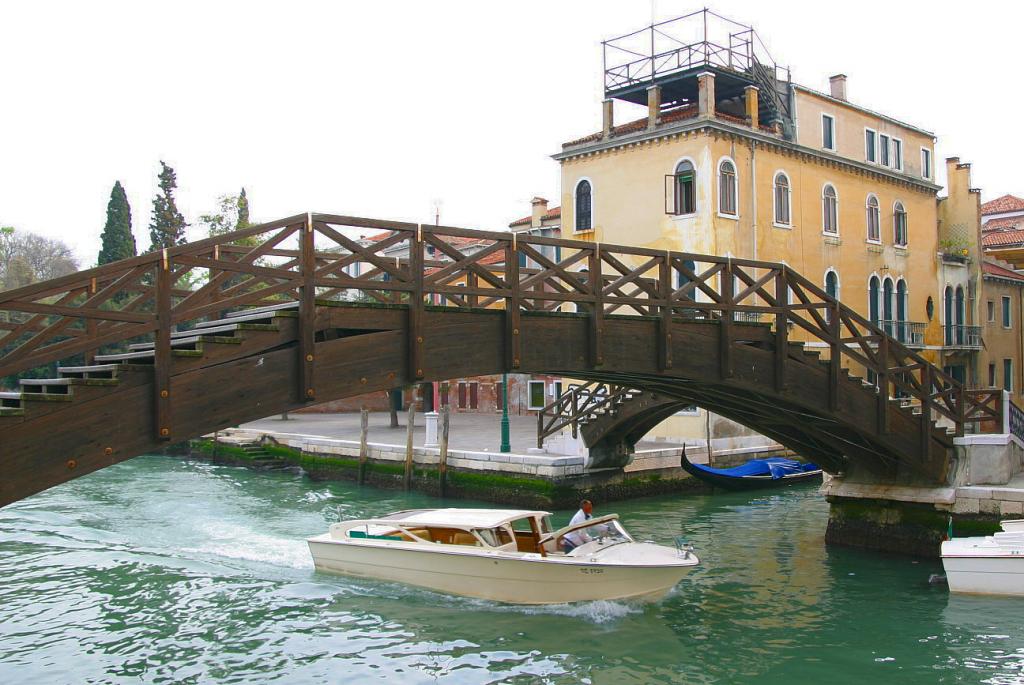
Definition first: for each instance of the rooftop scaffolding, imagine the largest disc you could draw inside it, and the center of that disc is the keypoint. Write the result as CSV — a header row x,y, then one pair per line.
x,y
671,53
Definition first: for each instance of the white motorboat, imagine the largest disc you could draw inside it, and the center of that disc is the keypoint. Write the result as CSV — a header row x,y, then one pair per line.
x,y
990,565
503,555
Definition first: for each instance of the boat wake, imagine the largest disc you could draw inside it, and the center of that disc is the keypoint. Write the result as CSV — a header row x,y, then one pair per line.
x,y
232,541
597,612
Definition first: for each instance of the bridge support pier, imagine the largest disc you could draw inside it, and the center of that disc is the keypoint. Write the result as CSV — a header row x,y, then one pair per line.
x,y
985,485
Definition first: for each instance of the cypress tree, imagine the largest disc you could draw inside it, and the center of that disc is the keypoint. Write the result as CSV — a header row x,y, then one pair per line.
x,y
167,225
118,241
243,212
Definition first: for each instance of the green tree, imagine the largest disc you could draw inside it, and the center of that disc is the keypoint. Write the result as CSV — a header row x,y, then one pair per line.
x,y
118,241
242,212
167,225
231,214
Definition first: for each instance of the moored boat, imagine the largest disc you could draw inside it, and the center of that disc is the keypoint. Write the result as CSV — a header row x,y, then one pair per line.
x,y
503,555
755,474
989,565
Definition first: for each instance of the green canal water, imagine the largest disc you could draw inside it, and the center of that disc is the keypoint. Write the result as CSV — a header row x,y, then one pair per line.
x,y
165,571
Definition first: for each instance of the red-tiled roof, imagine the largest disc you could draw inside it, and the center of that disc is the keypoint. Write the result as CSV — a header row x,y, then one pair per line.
x,y
1003,223
1005,238
1006,203
1001,271
554,213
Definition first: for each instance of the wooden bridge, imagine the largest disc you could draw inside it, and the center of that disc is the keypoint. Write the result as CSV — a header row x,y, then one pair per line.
x,y
318,307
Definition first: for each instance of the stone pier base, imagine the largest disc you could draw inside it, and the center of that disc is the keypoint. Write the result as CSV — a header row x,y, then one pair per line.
x,y
912,528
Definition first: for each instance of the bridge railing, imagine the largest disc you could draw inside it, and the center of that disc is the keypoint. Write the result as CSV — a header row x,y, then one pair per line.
x,y
308,257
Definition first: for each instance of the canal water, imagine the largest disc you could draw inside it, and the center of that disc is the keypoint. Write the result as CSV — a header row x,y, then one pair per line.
x,y
168,571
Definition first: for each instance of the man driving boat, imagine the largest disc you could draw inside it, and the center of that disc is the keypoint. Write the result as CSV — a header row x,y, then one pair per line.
x,y
578,537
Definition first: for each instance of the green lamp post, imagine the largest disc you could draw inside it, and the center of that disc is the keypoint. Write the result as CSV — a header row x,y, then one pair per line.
x,y
505,445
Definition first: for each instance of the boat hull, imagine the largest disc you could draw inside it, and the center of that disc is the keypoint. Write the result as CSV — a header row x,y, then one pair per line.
x,y
491,575
998,573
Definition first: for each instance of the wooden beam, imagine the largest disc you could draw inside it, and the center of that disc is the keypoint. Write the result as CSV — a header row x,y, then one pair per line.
x,y
409,425
416,332
595,282
307,315
725,323
162,349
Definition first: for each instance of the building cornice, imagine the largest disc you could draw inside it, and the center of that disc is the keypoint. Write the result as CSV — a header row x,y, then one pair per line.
x,y
723,127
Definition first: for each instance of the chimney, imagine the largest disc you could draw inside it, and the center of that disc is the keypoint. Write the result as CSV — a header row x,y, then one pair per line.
x,y
837,85
706,94
540,207
751,102
608,118
653,105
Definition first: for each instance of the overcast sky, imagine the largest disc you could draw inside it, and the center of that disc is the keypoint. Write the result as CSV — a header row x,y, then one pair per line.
x,y
380,108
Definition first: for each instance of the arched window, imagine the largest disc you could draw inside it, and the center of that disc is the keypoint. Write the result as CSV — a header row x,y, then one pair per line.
x,y
902,331
584,213
685,185
832,290
947,297
887,318
830,210
899,225
874,235
782,197
960,311
832,284
727,188
873,300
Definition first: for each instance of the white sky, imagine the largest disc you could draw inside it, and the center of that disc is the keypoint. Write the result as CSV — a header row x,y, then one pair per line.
x,y
379,108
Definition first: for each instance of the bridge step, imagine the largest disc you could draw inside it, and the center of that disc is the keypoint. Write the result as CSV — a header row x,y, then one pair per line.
x,y
94,371
10,400
62,386
189,342
256,311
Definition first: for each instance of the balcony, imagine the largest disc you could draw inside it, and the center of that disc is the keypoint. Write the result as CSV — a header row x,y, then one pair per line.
x,y
910,333
959,336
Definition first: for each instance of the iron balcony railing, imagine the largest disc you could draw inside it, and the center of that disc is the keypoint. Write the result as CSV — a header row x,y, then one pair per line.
x,y
962,336
910,333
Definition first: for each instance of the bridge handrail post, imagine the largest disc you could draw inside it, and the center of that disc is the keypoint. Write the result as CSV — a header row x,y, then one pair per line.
x,y
927,380
596,287
665,288
307,312
835,355
727,293
512,303
162,348
883,385
781,328
961,410
416,304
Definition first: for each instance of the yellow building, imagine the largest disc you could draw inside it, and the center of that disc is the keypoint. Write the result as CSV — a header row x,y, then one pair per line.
x,y
734,159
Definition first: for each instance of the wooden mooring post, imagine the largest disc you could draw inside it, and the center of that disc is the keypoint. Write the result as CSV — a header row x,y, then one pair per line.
x,y
408,445
364,429
442,466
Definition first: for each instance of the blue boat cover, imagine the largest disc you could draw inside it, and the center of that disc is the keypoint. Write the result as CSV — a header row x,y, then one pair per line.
x,y
776,467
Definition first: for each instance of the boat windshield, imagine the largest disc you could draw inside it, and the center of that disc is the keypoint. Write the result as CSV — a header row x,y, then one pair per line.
x,y
608,532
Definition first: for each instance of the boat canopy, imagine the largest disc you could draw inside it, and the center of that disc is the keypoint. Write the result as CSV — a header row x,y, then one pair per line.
x,y
457,518
775,467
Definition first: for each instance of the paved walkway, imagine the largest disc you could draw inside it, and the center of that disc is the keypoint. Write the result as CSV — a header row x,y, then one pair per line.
x,y
479,432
